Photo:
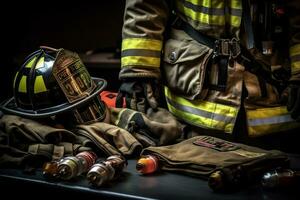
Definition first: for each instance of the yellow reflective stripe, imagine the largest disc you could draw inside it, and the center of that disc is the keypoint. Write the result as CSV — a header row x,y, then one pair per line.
x,y
204,105
39,85
266,112
201,121
235,21
202,113
295,53
14,85
31,62
141,43
40,63
295,50
269,120
22,84
255,131
295,67
236,4
141,61
201,17
208,3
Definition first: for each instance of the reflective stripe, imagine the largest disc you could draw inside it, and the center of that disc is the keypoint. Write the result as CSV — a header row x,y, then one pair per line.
x,y
295,58
236,4
39,85
22,85
195,6
142,61
211,13
295,67
235,21
201,17
141,52
31,62
40,63
141,43
207,3
202,113
266,112
269,120
295,50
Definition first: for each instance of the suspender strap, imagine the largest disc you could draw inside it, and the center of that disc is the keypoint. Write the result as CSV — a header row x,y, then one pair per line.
x,y
248,24
222,63
221,47
232,49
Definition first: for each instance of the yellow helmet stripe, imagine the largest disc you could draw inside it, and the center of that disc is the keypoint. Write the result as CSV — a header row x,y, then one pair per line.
x,y
23,84
40,63
31,62
39,85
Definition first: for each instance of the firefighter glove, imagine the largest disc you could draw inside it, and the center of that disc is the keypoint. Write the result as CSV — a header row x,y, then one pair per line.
x,y
139,94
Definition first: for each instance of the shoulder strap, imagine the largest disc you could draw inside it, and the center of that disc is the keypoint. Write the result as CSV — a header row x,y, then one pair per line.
x,y
246,16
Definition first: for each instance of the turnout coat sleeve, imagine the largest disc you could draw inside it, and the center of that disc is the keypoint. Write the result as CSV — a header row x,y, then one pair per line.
x,y
143,28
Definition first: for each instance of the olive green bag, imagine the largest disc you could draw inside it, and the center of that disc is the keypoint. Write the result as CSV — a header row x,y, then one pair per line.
x,y
205,155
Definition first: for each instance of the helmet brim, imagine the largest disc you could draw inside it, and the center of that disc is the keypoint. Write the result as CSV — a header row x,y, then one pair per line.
x,y
10,107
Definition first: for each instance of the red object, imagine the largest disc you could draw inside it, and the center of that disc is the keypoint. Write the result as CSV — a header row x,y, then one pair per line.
x,y
147,164
110,98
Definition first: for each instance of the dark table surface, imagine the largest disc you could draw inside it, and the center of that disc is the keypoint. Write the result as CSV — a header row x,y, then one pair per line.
x,y
132,185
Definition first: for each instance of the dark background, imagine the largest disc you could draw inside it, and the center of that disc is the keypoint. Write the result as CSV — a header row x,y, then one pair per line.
x,y
78,26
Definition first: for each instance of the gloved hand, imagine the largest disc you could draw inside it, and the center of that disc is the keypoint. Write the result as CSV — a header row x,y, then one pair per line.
x,y
139,94
293,101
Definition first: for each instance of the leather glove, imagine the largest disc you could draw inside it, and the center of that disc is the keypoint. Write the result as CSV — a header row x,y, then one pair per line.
x,y
139,94
293,101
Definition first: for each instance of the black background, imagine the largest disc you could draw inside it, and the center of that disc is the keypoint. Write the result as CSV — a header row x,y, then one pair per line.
x,y
79,26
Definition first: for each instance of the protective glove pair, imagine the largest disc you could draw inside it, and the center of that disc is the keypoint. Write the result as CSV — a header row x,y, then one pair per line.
x,y
139,94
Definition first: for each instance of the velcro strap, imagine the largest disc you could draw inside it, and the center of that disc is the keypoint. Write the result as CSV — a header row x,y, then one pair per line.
x,y
41,149
68,147
58,152
50,150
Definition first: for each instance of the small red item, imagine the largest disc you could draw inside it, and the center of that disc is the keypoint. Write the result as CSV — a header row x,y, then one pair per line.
x,y
110,98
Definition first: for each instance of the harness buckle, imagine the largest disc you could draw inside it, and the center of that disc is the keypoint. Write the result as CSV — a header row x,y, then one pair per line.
x,y
227,47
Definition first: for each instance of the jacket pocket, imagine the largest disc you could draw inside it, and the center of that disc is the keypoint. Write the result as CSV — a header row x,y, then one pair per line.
x,y
184,67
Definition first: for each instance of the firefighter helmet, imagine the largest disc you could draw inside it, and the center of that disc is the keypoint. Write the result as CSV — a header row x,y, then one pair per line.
x,y
55,81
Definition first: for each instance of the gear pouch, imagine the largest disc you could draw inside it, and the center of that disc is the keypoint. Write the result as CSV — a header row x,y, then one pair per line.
x,y
184,67
202,156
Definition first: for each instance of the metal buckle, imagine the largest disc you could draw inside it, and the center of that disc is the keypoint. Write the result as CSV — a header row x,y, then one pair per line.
x,y
235,48
227,47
